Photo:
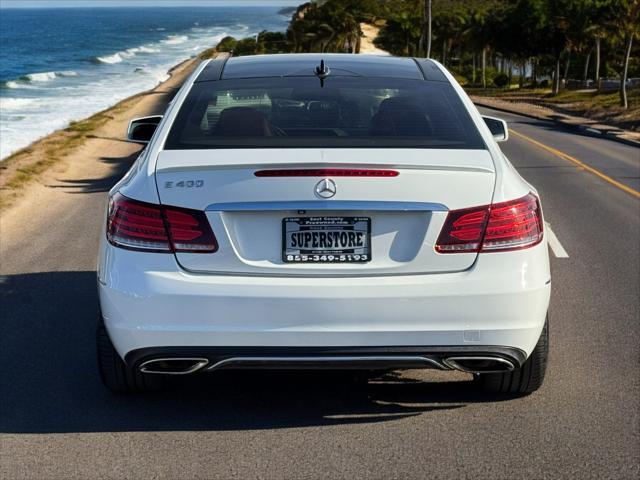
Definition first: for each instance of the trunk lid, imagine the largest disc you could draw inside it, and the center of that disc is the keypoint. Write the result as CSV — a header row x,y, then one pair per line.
x,y
246,212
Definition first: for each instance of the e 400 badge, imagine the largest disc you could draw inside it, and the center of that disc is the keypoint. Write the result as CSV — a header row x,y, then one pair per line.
x,y
185,184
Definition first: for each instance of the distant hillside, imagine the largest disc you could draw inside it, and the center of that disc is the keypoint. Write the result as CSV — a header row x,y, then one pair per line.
x,y
287,11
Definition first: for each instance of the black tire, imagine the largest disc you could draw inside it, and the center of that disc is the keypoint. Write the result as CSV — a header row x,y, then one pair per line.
x,y
524,380
115,374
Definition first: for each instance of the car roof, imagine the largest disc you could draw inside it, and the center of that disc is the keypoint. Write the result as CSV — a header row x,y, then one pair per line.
x,y
304,64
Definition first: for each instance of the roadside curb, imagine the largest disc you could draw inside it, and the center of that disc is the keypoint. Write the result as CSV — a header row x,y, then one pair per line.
x,y
583,129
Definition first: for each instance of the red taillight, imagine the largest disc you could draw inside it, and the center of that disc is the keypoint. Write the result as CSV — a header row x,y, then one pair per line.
x,y
158,228
515,224
463,230
502,226
136,225
326,172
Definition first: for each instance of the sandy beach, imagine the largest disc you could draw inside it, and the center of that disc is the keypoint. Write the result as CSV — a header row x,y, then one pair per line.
x,y
82,150
68,156
40,182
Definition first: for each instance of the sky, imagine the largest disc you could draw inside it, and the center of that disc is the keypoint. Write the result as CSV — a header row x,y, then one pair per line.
x,y
138,3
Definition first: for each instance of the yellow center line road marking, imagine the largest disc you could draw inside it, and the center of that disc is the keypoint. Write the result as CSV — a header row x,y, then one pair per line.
x,y
571,159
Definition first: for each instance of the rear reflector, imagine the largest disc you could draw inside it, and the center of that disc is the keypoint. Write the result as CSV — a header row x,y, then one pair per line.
x,y
326,172
502,226
158,228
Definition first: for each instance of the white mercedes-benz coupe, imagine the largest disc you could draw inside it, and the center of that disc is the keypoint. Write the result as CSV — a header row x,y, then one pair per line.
x,y
322,211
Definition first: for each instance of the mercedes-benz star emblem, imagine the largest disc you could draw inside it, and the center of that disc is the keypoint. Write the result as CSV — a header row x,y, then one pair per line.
x,y
326,188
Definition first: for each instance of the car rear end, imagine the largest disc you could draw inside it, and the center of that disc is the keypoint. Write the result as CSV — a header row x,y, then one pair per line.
x,y
364,219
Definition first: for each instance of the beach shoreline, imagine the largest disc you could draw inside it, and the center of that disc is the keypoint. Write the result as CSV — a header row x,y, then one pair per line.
x,y
35,162
52,154
48,81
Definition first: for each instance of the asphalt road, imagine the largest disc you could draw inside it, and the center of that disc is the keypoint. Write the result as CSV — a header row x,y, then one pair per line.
x,y
57,421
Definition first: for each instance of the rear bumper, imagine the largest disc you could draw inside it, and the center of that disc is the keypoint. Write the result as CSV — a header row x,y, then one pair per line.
x,y
208,359
148,302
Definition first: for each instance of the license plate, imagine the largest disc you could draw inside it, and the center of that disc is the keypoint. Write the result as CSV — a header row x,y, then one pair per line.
x,y
326,239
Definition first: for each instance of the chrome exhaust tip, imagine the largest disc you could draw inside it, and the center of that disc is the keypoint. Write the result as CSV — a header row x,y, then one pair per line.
x,y
479,364
174,366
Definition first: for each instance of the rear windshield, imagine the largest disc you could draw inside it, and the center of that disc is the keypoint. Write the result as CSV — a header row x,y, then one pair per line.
x,y
345,112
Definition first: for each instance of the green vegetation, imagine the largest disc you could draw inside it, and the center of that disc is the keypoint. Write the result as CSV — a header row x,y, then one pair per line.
x,y
530,42
27,164
89,124
501,80
599,106
329,26
264,42
208,53
26,172
558,39
227,44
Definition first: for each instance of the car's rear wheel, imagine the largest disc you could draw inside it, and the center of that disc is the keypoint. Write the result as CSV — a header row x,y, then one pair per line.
x,y
524,380
115,374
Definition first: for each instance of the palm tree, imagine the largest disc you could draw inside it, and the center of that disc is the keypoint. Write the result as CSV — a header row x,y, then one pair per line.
x,y
479,35
429,18
425,34
404,22
597,31
449,25
325,35
628,23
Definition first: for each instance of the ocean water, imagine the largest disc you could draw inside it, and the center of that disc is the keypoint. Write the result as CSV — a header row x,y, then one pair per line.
x,y
60,65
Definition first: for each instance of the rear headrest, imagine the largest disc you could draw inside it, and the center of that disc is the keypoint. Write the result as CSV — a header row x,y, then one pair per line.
x,y
242,122
400,116
396,103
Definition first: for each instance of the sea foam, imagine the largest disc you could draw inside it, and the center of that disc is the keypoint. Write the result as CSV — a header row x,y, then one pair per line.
x,y
48,76
7,103
10,84
175,39
33,106
110,59
40,77
144,49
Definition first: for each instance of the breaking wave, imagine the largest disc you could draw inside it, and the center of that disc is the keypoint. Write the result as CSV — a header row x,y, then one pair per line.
x,y
175,39
35,101
10,84
47,76
25,80
39,77
144,49
109,59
